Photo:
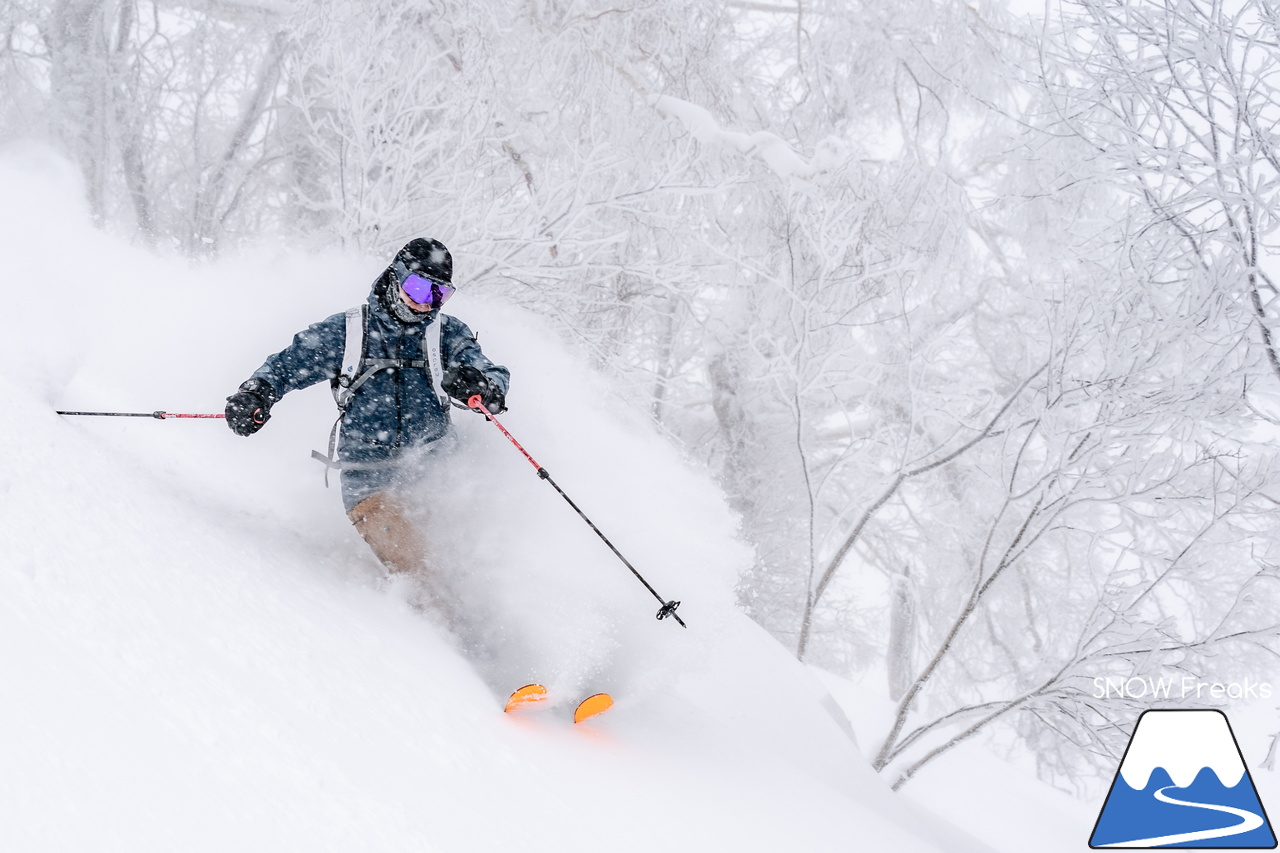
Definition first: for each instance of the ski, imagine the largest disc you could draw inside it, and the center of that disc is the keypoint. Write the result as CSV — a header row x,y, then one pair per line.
x,y
527,695
591,706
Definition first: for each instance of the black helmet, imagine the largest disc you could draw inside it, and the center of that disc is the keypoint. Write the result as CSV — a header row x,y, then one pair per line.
x,y
427,257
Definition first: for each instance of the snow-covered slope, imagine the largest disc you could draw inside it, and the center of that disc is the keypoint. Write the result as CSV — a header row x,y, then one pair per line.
x,y
198,653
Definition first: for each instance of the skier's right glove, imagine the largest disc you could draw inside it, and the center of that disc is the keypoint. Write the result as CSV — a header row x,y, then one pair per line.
x,y
250,407
464,381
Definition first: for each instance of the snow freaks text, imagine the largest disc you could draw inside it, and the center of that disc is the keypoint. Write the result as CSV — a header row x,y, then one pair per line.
x,y
1186,687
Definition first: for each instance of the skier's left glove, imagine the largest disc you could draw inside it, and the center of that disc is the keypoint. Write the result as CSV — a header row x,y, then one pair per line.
x,y
464,381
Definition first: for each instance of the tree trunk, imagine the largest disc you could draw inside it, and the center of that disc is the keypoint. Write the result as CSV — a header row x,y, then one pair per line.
x,y
902,629
79,77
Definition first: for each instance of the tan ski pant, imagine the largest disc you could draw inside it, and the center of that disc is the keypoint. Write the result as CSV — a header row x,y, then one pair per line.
x,y
396,542
381,520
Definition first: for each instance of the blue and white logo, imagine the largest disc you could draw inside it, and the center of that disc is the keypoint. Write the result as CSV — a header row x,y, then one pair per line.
x,y
1183,783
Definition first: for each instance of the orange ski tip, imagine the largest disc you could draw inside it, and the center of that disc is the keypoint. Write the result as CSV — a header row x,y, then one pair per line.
x,y
526,695
593,705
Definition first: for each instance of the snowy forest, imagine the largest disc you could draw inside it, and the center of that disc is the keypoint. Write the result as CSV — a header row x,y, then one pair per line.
x,y
970,311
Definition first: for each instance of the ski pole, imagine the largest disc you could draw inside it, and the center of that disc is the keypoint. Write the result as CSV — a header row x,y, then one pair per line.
x,y
668,607
158,415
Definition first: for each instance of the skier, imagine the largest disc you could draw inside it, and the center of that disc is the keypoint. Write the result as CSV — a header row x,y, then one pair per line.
x,y
393,364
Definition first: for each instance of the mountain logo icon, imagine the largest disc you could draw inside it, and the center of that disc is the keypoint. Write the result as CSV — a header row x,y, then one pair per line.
x,y
1183,783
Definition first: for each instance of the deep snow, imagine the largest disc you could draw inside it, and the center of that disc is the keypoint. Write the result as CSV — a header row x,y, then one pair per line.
x,y
198,653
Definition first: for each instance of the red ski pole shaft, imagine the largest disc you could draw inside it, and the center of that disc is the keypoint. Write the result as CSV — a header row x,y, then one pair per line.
x,y
668,607
476,403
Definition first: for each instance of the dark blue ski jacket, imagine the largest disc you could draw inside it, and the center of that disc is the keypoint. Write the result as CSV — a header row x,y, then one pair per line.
x,y
396,408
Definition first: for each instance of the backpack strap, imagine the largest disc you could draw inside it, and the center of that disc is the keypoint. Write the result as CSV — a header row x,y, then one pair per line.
x,y
345,383
431,337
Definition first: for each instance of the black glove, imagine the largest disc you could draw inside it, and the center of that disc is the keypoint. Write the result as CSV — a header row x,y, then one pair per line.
x,y
464,381
496,400
250,407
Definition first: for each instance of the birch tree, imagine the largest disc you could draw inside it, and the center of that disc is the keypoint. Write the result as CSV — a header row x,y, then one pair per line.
x,y
1143,542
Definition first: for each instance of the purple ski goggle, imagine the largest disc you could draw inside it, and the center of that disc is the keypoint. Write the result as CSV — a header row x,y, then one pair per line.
x,y
424,291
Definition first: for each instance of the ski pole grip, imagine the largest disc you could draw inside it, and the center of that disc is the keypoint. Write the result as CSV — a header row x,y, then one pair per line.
x,y
475,401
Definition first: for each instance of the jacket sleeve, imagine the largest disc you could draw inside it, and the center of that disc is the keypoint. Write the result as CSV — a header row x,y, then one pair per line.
x,y
314,355
461,347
